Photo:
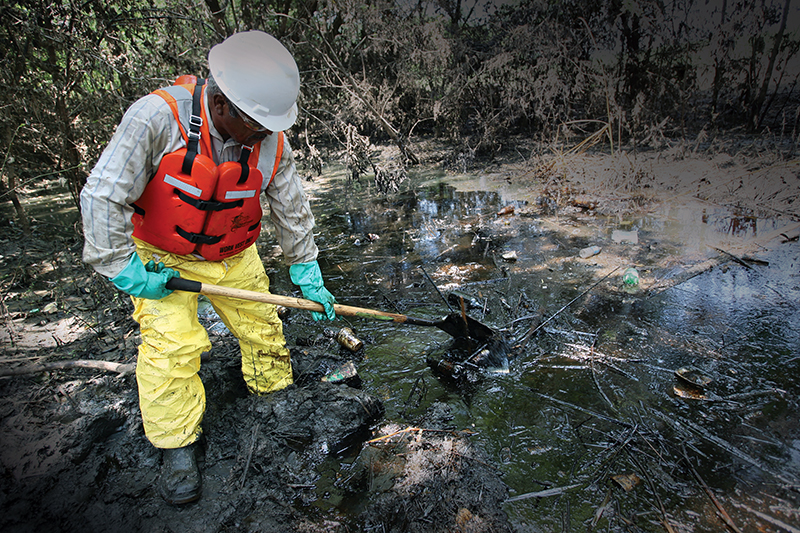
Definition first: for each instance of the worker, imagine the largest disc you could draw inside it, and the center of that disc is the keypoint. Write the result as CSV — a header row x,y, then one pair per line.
x,y
176,193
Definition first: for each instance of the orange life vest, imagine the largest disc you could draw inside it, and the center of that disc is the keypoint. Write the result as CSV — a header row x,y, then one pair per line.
x,y
191,205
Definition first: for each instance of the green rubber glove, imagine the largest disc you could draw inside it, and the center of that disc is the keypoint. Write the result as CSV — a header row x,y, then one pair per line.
x,y
309,277
144,281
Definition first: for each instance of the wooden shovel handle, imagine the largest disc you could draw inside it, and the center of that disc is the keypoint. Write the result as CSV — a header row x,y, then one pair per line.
x,y
181,284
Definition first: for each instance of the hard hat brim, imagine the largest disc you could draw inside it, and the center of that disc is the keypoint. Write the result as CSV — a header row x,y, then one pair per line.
x,y
271,122
280,123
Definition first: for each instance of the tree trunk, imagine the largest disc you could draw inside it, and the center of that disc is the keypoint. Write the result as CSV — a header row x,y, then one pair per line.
x,y
218,18
10,192
719,67
756,113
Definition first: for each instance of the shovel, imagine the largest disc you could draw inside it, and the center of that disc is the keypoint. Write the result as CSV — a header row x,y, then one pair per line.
x,y
456,325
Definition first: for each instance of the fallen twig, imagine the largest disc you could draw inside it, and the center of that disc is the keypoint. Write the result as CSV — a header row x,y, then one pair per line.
x,y
600,389
598,514
120,368
412,429
437,288
735,258
555,491
686,424
584,410
664,517
249,456
390,435
722,512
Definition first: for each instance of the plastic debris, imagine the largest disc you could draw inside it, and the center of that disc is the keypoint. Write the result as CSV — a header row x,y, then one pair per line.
x,y
590,251
346,373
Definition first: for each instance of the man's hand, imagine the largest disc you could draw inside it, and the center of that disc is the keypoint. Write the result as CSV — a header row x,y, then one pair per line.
x,y
309,277
144,281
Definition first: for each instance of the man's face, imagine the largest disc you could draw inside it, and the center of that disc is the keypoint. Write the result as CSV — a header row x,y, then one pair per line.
x,y
241,128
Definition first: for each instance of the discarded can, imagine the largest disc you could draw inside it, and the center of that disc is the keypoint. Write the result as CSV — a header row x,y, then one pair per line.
x,y
345,372
347,338
444,367
283,312
590,251
630,277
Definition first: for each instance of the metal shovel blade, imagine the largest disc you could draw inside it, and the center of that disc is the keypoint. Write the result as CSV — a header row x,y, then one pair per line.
x,y
458,325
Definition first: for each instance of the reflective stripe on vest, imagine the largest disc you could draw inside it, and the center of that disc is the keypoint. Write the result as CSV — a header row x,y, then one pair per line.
x,y
214,212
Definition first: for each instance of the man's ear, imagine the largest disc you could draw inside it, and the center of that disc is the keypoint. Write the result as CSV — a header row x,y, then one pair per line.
x,y
218,104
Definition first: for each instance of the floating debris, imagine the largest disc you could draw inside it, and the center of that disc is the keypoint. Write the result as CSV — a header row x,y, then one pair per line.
x,y
509,256
689,392
453,371
626,481
507,210
693,377
630,277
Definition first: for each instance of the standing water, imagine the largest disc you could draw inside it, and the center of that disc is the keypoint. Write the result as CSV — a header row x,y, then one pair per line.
x,y
595,425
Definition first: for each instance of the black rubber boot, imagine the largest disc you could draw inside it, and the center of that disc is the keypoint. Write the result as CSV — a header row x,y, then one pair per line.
x,y
180,481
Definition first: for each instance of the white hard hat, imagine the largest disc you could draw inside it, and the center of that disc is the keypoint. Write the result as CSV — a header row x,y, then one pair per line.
x,y
259,75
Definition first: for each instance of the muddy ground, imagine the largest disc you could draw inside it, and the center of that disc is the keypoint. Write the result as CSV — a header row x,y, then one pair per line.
x,y
73,455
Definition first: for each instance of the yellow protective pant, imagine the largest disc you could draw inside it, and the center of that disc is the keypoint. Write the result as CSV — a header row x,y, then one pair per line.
x,y
171,394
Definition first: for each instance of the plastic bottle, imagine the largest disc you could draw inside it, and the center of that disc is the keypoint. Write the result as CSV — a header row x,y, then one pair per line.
x,y
630,277
589,251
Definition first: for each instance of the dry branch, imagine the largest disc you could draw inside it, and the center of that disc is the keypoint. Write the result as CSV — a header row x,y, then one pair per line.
x,y
555,491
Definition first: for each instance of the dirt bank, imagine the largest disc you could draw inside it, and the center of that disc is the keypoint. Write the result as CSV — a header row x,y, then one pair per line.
x,y
75,458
